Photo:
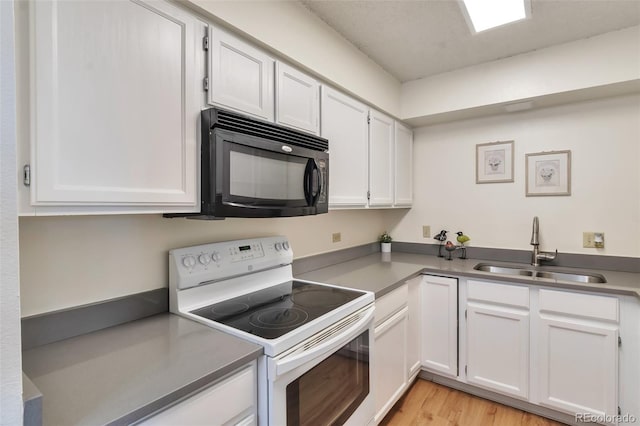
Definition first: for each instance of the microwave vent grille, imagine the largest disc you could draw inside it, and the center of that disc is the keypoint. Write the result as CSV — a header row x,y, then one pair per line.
x,y
239,123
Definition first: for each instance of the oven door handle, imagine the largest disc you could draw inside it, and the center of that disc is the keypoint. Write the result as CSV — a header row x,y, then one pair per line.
x,y
336,337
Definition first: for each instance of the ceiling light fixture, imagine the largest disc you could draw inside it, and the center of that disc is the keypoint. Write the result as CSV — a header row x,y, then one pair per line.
x,y
486,14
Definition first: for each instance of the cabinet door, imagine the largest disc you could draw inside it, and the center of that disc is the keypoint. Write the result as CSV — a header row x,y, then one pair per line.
x,y
241,75
297,99
390,362
403,194
498,349
414,334
578,366
344,124
381,148
116,101
440,325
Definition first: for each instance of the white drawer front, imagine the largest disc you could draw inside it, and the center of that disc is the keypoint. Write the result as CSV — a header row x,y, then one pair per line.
x,y
578,304
229,402
505,294
390,303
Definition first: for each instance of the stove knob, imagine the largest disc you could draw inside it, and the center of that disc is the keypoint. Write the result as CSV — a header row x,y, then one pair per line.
x,y
189,261
216,257
285,245
204,259
278,246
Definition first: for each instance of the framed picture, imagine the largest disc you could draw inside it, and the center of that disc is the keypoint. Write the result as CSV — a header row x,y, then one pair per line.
x,y
494,162
548,173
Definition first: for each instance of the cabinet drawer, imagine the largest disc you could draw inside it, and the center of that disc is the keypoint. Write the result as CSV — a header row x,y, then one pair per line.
x,y
498,293
390,303
231,401
578,304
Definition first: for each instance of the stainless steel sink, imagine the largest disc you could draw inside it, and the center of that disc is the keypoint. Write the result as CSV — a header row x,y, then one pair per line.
x,y
582,278
534,273
485,267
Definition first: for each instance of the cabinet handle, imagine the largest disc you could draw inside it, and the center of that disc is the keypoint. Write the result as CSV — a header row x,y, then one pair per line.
x,y
27,175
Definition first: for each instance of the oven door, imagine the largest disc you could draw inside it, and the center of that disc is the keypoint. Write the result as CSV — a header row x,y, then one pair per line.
x,y
325,380
257,177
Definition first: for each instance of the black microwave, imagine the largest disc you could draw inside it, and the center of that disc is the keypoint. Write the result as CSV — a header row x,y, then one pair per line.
x,y
252,168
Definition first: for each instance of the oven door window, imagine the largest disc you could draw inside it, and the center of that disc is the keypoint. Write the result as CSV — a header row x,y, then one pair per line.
x,y
331,391
260,177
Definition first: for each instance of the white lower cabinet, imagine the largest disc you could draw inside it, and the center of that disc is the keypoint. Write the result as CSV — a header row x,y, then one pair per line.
x,y
498,337
390,373
578,353
558,349
231,401
439,333
414,333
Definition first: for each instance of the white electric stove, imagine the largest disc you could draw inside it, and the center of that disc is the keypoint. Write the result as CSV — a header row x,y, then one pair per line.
x,y
317,338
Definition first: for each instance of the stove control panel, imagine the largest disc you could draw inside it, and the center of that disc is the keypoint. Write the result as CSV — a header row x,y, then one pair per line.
x,y
192,266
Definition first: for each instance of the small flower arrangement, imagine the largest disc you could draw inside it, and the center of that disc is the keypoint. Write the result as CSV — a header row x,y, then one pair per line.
x,y
385,238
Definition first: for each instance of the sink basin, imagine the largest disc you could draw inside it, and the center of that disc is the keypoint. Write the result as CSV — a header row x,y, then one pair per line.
x,y
582,278
533,273
503,270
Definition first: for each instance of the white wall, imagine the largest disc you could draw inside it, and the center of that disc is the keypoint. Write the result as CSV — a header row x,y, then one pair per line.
x,y
294,32
604,138
607,59
69,261
10,341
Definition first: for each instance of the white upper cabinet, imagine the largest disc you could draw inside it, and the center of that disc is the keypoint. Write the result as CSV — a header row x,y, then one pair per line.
x,y
403,194
241,76
344,124
116,94
381,147
297,99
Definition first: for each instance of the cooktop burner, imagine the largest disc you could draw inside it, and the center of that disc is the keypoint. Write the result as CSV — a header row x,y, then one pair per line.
x,y
278,318
273,312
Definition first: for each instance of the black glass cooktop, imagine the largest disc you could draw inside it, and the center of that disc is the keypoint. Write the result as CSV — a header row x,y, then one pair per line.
x,y
273,312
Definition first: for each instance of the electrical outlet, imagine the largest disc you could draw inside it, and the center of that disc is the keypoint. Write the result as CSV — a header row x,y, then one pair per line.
x,y
337,237
593,239
426,231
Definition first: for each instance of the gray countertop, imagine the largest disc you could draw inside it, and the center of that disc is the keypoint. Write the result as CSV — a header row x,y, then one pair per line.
x,y
382,272
121,374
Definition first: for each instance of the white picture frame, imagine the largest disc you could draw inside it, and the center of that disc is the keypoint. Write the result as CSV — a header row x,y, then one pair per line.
x,y
548,173
494,162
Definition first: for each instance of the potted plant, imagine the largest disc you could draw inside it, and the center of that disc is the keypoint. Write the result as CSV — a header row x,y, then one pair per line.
x,y
385,242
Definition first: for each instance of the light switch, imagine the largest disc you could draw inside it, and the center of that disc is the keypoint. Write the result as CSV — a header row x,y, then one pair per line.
x,y
593,239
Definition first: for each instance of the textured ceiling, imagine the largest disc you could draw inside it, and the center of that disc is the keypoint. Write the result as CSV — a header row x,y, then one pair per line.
x,y
417,38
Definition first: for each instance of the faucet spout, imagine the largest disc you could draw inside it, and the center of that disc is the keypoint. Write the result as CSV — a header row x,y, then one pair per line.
x,y
536,254
534,232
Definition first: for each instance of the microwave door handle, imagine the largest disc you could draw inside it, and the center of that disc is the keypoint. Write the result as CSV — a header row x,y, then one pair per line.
x,y
308,182
316,185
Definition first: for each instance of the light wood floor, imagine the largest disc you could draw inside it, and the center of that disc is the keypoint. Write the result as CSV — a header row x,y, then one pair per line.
x,y
427,403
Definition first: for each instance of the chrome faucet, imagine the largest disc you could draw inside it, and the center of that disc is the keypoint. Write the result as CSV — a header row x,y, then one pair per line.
x,y
536,255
